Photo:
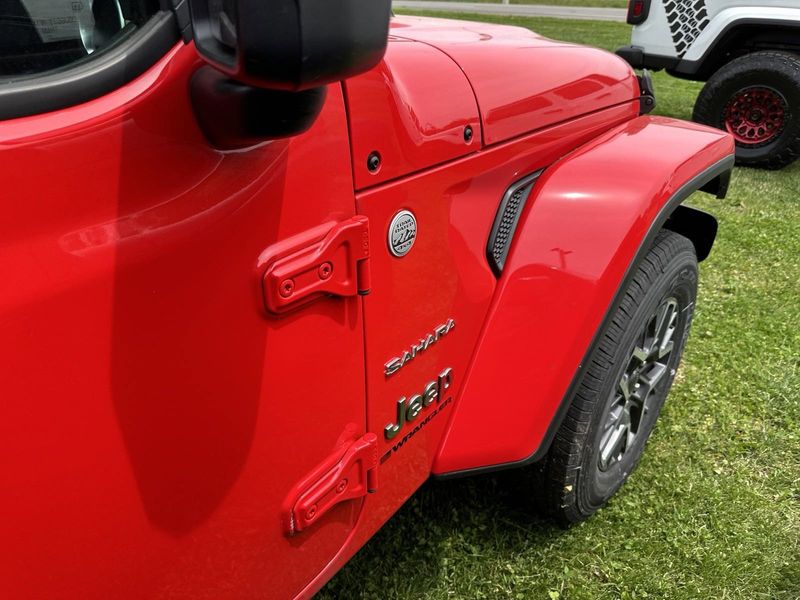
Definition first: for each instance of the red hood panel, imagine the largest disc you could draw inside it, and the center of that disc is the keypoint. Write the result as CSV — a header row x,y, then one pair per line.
x,y
522,81
411,111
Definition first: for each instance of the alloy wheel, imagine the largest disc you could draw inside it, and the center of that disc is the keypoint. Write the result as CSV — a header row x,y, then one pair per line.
x,y
755,116
646,367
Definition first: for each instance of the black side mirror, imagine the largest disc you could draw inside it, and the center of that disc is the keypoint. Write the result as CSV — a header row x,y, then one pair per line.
x,y
271,61
291,45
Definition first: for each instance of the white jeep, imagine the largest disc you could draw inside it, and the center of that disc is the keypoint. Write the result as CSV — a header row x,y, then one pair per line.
x,y
747,52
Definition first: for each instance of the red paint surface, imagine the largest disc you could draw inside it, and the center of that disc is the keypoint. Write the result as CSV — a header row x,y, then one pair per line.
x,y
576,237
522,81
412,109
444,275
155,418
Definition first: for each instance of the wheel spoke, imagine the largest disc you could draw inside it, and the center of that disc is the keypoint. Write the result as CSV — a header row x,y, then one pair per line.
x,y
612,446
661,318
669,321
652,378
640,353
625,385
616,413
630,437
665,348
625,419
650,337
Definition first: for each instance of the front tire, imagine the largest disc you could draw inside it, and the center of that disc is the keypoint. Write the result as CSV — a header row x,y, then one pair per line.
x,y
624,385
756,98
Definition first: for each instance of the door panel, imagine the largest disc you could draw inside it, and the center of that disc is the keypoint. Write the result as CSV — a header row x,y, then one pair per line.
x,y
152,416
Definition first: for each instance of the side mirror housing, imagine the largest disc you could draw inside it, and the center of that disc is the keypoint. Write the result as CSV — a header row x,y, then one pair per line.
x,y
291,45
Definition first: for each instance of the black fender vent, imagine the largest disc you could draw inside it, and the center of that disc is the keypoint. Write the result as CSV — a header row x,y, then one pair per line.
x,y
505,222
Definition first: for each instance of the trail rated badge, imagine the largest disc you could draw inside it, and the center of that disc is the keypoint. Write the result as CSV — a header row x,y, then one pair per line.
x,y
402,233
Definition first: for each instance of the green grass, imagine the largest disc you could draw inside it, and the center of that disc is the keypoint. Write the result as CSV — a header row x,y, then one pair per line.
x,y
713,511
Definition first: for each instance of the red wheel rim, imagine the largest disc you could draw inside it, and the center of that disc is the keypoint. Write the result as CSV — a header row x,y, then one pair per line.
x,y
755,116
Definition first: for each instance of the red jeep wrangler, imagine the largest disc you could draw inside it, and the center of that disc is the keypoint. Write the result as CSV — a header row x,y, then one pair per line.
x,y
264,273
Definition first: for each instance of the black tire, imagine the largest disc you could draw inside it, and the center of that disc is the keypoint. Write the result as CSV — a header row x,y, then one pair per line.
x,y
574,479
775,72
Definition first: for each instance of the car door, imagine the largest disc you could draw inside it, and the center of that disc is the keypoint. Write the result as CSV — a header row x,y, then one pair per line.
x,y
155,418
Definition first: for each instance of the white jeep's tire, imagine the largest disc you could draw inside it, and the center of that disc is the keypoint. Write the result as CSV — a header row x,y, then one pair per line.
x,y
756,98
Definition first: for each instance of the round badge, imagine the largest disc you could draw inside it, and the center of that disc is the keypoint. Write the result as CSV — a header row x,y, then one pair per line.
x,y
402,233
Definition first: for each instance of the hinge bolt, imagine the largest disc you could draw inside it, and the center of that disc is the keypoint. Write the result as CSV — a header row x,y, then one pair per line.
x,y
311,512
341,486
287,288
325,270
373,162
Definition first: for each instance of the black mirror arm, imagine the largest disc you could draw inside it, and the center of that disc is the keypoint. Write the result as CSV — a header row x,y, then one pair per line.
x,y
233,115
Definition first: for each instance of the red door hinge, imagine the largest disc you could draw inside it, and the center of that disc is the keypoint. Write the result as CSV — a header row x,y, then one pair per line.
x,y
345,476
310,268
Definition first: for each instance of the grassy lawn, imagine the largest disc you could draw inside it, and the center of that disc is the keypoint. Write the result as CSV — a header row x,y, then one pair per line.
x,y
713,510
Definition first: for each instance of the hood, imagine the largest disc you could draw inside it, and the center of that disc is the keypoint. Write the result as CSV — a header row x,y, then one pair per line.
x,y
522,81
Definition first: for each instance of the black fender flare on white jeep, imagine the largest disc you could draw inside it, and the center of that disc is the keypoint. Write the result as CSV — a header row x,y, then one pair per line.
x,y
692,40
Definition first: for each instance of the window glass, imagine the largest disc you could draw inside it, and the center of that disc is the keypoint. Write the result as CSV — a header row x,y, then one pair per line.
x,y
38,36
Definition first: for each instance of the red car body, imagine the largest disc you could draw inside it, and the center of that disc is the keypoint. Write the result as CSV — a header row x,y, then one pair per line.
x,y
179,421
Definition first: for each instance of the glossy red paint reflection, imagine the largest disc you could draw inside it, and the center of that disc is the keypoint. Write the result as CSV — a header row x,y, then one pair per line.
x,y
410,121
444,275
521,80
162,424
577,235
153,417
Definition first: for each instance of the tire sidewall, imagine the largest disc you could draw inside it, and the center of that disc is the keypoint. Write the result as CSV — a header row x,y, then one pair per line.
x,y
595,487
